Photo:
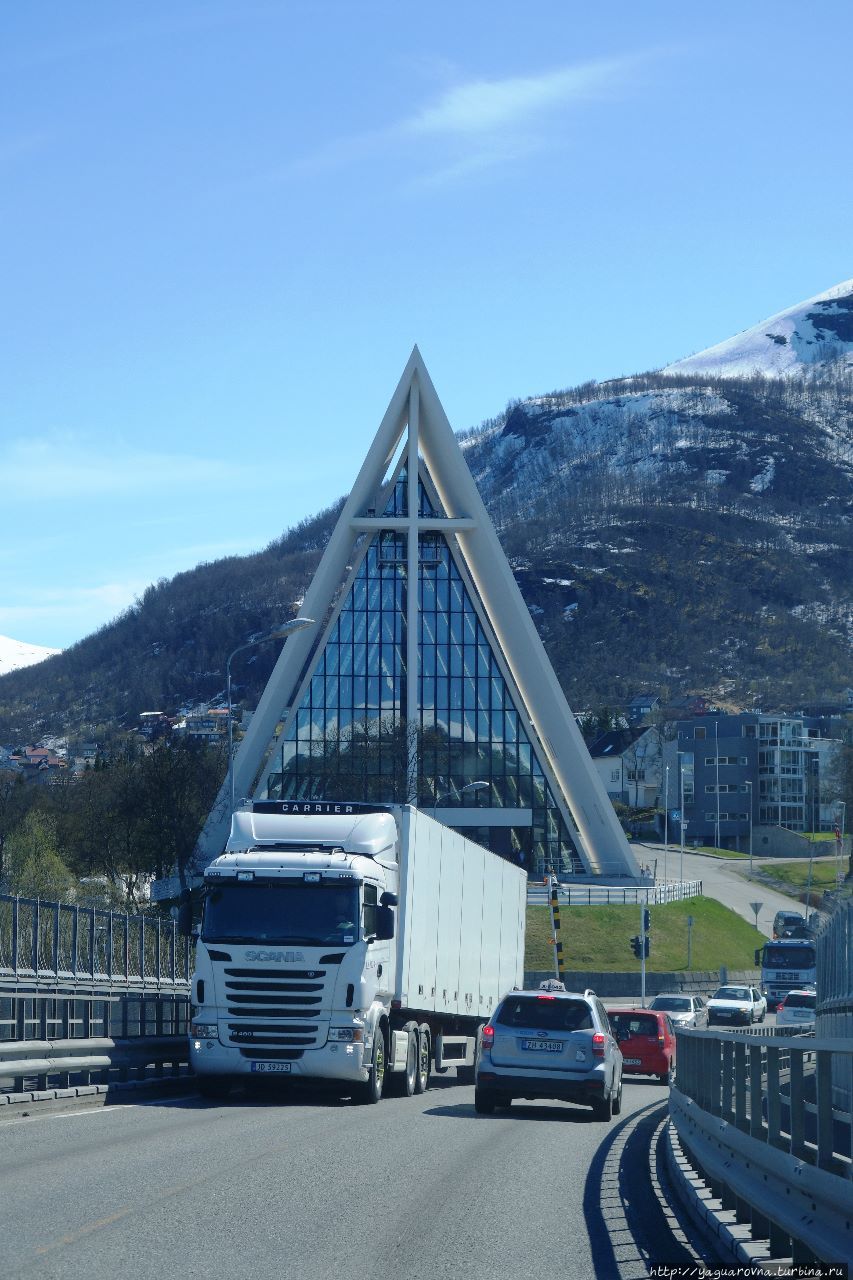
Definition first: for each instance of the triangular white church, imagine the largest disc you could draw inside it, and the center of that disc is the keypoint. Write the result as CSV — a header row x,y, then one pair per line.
x,y
424,680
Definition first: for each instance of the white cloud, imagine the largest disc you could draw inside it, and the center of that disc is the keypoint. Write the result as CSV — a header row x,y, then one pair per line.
x,y
487,106
475,125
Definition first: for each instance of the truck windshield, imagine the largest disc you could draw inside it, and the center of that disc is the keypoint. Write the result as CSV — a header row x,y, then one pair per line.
x,y
788,957
283,911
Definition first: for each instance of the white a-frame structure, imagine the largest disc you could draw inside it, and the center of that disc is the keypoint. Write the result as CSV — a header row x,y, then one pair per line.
x,y
424,679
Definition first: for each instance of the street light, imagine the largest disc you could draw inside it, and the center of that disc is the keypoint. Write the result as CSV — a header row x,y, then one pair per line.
x,y
469,786
682,824
665,822
749,784
279,633
842,805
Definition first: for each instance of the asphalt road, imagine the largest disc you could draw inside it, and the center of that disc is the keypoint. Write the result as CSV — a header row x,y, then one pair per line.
x,y
307,1187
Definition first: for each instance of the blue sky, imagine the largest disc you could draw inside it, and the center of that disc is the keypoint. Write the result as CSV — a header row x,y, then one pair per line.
x,y
224,225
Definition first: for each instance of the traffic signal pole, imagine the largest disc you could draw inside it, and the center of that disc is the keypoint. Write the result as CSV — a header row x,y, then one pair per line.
x,y
643,918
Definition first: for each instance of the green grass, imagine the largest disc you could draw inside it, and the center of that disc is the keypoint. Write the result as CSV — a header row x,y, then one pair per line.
x,y
796,874
718,853
597,938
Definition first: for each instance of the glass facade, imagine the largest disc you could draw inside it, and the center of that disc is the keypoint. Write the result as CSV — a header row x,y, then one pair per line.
x,y
464,745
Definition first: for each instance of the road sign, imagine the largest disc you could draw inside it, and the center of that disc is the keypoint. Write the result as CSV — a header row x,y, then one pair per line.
x,y
756,906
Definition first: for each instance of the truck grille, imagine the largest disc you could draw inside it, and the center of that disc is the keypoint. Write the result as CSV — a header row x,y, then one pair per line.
x,y
281,1006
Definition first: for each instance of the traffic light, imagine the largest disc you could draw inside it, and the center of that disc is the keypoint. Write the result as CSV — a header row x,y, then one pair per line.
x,y
637,947
647,945
647,919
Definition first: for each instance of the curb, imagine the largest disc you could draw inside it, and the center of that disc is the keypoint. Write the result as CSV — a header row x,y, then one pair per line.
x,y
731,1239
10,1102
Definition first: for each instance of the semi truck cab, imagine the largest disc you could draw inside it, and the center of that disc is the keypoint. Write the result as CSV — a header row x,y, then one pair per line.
x,y
295,960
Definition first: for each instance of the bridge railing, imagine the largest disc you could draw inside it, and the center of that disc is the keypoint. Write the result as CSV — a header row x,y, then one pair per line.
x,y
595,895
56,942
761,1119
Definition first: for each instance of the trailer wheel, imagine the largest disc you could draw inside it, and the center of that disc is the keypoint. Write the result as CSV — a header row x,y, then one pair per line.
x,y
424,1060
371,1091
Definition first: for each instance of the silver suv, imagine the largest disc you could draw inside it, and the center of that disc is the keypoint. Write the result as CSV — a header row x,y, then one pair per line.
x,y
549,1043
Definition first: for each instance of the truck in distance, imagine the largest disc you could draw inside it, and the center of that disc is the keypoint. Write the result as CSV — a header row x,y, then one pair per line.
x,y
364,945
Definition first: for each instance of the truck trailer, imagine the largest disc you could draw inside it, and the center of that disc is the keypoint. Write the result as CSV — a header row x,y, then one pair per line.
x,y
363,945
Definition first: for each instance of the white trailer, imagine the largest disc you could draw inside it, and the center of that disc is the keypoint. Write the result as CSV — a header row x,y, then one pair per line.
x,y
353,943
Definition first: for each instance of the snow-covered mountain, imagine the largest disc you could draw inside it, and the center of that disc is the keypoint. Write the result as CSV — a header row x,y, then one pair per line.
x,y
15,654
814,332
687,530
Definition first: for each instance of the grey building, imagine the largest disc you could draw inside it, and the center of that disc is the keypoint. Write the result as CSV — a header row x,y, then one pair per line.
x,y
729,774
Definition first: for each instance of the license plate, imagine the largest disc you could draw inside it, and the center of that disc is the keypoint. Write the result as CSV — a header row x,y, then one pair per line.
x,y
270,1068
549,1046
633,1062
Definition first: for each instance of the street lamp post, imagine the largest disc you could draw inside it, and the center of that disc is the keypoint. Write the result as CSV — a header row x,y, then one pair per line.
x,y
665,821
749,784
839,875
682,824
279,633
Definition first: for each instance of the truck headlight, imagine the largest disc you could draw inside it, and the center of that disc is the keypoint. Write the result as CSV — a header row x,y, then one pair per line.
x,y
346,1034
204,1030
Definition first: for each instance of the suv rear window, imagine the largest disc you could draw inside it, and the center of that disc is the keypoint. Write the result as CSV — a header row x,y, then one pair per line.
x,y
803,1001
548,1014
633,1024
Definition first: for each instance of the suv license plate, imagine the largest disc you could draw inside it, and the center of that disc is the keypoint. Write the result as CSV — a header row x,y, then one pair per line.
x,y
633,1062
550,1046
281,1068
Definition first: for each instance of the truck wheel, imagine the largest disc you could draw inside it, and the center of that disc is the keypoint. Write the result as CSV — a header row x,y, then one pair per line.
x,y
484,1102
407,1082
371,1091
213,1086
424,1060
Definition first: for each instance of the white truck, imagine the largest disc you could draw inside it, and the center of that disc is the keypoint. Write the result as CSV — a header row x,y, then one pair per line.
x,y
351,943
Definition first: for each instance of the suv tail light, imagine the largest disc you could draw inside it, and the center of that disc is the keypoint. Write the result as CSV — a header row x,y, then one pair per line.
x,y
598,1043
488,1037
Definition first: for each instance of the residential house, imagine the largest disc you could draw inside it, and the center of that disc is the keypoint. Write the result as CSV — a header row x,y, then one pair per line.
x,y
629,765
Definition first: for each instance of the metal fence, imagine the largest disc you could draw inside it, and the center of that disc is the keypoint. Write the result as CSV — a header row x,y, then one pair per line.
x,y
53,941
597,895
760,1118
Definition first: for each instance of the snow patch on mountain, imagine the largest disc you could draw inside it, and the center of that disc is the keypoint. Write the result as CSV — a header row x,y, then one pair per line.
x,y
15,654
814,332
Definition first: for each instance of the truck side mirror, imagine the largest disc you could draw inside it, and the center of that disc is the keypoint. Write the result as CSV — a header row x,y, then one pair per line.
x,y
384,924
758,956
389,899
185,914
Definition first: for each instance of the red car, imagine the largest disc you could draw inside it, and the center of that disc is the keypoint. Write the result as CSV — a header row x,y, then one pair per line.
x,y
647,1040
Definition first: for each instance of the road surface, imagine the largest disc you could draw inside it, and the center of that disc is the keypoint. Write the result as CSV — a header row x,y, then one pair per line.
x,y
308,1187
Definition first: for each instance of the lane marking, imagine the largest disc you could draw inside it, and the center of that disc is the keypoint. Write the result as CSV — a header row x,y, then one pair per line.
x,y
104,1109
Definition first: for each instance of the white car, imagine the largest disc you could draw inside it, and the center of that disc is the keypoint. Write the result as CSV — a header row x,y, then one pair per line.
x,y
736,1006
797,1010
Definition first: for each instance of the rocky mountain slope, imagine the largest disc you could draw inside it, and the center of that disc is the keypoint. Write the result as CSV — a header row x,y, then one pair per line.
x,y
688,531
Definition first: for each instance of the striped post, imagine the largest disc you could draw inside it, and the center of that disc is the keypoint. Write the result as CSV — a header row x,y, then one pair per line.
x,y
559,962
